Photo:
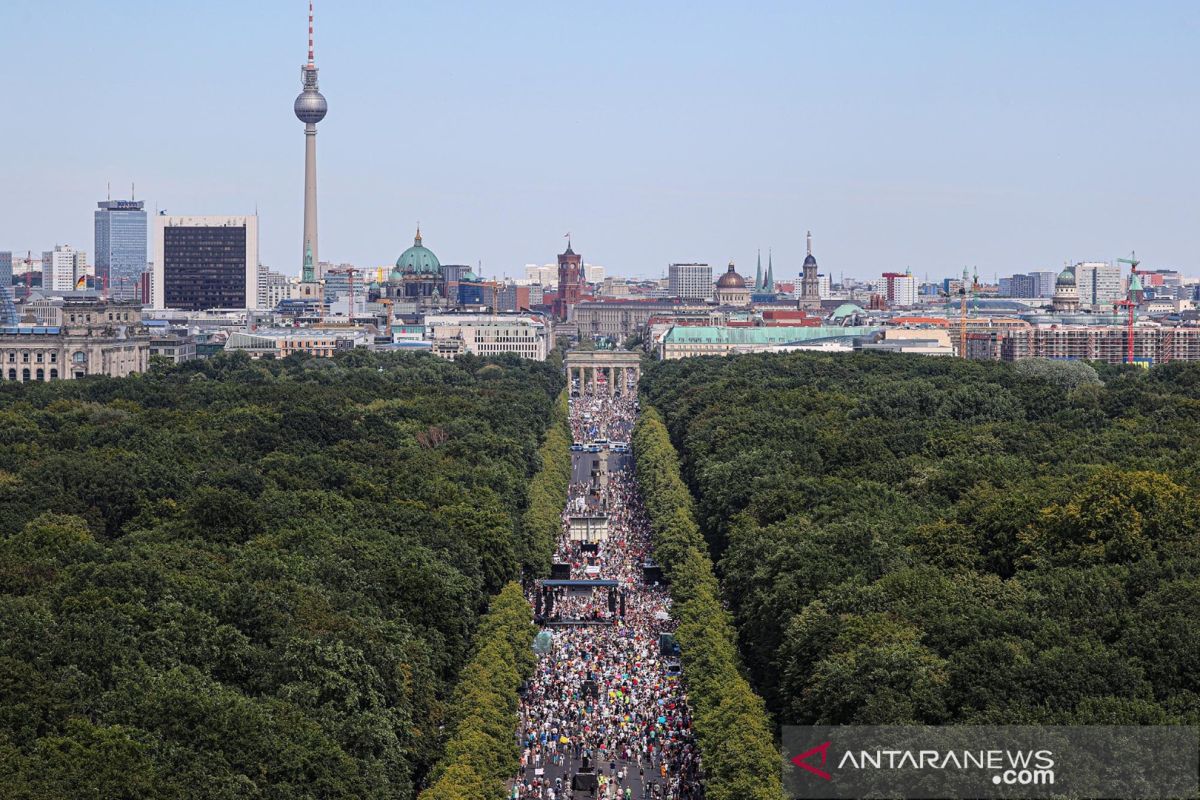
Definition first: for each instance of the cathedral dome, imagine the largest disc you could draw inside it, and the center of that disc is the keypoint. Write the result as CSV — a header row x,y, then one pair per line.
x,y
418,260
1066,278
731,280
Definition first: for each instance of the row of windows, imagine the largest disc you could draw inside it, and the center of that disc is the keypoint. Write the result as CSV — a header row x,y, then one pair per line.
x,y
41,375
79,357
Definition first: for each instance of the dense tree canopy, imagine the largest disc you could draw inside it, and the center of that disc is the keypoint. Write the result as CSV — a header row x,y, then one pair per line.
x,y
236,579
906,539
732,728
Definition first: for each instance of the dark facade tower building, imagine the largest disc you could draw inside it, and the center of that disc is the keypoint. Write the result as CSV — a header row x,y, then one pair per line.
x,y
310,108
120,248
810,281
570,282
205,262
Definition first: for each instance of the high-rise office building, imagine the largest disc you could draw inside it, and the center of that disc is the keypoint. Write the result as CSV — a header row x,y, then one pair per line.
x,y
120,247
690,281
8,310
1099,284
62,268
205,262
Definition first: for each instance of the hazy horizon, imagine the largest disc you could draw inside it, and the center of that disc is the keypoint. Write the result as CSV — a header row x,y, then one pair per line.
x,y
927,137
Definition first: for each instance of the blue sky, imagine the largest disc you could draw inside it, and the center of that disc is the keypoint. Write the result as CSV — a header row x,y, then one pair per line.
x,y
1011,136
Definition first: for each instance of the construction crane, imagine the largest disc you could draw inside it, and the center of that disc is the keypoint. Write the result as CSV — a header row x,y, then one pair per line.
x,y
962,319
350,271
1129,303
387,303
29,275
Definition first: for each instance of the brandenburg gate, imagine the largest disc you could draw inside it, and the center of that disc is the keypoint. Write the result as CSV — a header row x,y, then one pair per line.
x,y
615,365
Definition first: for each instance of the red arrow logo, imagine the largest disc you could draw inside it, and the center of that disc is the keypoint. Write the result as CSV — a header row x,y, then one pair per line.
x,y
801,762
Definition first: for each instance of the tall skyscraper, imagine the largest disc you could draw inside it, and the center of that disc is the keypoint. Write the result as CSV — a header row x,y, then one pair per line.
x,y
570,281
62,268
810,282
205,262
310,108
8,311
120,247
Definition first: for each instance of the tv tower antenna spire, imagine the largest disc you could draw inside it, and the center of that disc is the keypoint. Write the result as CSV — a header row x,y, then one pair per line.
x,y
310,108
311,61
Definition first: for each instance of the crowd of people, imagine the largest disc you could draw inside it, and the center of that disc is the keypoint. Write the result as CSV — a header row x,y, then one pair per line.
x,y
598,416
605,708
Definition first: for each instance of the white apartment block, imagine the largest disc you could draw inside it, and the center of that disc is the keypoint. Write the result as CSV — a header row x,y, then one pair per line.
x,y
545,274
272,287
1099,284
690,281
62,267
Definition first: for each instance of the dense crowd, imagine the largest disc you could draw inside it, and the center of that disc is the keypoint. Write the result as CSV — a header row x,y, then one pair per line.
x,y
603,700
598,416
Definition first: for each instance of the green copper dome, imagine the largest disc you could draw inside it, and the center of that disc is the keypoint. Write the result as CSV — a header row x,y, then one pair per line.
x,y
418,260
1066,277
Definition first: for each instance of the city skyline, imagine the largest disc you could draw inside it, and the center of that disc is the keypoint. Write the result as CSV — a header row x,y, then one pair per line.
x,y
929,139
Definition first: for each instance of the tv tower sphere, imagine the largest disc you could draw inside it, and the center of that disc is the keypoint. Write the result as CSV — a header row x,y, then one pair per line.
x,y
311,106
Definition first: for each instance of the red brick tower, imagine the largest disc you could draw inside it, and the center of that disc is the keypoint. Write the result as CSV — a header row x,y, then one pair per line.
x,y
570,282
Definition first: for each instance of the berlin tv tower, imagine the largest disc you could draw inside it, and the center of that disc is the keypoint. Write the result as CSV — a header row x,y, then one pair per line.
x,y
310,109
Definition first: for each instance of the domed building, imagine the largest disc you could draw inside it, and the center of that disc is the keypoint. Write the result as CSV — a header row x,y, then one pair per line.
x,y
417,276
732,289
418,259
1066,292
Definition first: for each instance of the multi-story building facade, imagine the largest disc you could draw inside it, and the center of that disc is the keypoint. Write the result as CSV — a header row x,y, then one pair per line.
x,y
528,335
619,319
272,288
1107,343
8,308
62,268
120,248
1099,284
176,348
690,281
93,338
545,274
900,289
205,262
283,342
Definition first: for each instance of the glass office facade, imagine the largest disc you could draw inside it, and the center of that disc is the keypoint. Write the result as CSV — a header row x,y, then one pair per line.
x,y
204,267
120,248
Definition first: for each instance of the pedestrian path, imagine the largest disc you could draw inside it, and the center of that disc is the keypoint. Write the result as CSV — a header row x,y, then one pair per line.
x,y
606,710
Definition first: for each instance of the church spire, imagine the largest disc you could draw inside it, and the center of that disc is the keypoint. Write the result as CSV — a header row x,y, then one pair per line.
x,y
758,276
769,283
308,275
